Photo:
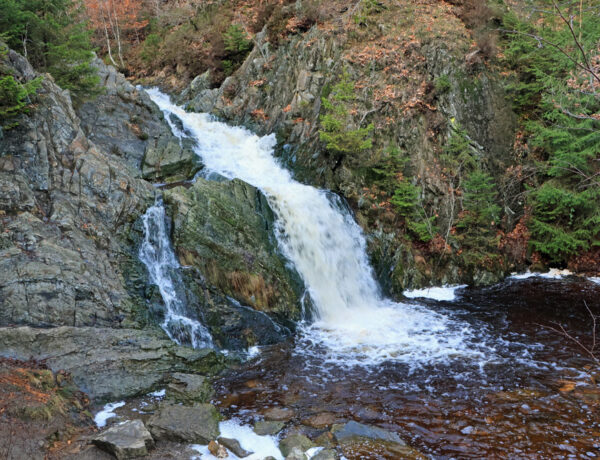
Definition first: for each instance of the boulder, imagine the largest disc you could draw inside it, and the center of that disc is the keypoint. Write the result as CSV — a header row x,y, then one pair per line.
x,y
326,454
296,454
195,424
217,450
126,440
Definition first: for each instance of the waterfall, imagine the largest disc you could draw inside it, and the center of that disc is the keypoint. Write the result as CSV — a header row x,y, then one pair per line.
x,y
328,250
157,255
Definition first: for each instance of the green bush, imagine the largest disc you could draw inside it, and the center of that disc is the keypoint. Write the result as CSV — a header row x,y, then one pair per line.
x,y
15,97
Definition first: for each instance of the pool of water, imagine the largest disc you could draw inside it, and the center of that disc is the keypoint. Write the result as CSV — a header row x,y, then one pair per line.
x,y
523,391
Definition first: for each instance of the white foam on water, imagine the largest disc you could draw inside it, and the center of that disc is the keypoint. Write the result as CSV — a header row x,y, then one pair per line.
x,y
107,412
442,293
553,273
327,248
594,279
158,394
260,446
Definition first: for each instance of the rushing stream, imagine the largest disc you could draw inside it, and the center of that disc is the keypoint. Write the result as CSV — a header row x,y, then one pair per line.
x,y
458,379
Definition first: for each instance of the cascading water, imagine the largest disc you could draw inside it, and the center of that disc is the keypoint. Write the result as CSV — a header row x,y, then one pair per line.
x,y
355,323
158,256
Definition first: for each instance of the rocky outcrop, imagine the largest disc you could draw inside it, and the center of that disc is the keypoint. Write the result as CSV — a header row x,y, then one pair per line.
x,y
108,364
124,121
223,231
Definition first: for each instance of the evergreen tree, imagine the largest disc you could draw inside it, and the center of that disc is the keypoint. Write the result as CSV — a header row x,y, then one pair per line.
x,y
52,36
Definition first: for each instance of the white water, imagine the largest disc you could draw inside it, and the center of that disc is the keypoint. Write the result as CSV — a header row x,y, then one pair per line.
x,y
441,293
158,256
107,412
355,323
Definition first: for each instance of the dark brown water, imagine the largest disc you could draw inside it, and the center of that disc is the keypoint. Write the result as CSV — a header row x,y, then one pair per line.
x,y
536,397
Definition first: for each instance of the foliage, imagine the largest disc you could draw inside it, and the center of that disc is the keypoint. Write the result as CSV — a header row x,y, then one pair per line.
x,y
15,96
336,122
53,38
558,94
442,84
151,47
367,9
237,47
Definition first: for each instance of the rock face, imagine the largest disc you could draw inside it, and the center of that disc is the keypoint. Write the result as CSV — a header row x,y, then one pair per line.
x,y
67,212
196,424
127,440
224,232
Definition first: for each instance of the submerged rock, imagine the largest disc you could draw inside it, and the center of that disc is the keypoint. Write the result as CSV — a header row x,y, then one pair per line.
x,y
195,424
359,430
126,440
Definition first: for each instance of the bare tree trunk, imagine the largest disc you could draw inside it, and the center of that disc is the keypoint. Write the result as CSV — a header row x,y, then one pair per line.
x,y
107,36
114,25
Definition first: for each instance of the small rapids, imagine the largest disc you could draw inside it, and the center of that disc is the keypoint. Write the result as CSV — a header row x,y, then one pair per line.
x,y
354,323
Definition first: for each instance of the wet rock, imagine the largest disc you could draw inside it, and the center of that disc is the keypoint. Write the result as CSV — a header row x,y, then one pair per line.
x,y
127,440
297,441
217,450
358,430
264,428
234,446
189,388
196,424
282,414
224,231
296,454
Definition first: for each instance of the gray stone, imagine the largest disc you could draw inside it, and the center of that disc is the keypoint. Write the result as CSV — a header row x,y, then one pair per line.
x,y
127,440
264,428
234,446
195,424
301,442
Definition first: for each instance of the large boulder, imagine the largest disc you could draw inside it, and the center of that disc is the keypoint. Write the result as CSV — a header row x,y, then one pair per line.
x,y
126,440
224,232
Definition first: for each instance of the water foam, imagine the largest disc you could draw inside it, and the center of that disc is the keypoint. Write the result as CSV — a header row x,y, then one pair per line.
x,y
353,320
442,293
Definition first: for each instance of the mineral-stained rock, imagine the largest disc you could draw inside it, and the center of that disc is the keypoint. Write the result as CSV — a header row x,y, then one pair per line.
x,y
217,450
196,424
126,440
